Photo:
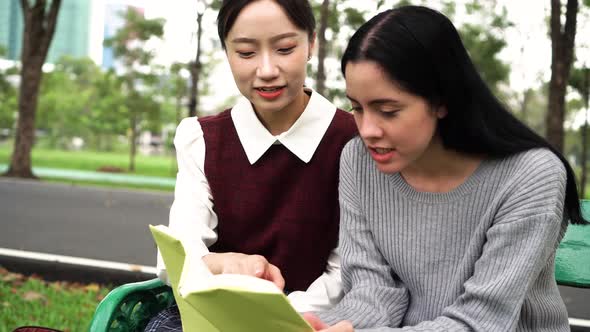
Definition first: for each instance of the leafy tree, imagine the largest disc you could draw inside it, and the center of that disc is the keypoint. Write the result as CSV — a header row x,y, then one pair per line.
x,y
321,42
177,88
129,45
40,18
333,16
196,67
562,55
67,97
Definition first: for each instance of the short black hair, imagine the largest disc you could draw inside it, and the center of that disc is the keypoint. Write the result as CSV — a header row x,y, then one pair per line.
x,y
299,11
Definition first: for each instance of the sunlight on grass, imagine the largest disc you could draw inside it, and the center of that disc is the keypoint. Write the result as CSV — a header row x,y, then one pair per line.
x,y
162,166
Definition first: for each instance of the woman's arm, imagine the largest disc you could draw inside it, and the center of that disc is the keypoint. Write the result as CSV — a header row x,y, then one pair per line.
x,y
191,216
373,293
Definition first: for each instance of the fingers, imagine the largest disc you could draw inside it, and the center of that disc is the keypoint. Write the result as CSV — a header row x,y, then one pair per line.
x,y
256,265
253,265
315,322
273,274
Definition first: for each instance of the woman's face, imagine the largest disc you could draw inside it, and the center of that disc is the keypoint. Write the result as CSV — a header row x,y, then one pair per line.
x,y
268,57
397,127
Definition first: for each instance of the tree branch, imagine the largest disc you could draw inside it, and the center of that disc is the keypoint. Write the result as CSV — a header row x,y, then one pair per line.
x,y
24,4
555,25
51,20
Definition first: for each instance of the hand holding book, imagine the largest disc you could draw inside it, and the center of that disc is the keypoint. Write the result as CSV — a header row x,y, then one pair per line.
x,y
223,302
236,263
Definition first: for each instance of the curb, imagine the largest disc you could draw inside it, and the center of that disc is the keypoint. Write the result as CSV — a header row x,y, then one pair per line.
x,y
73,269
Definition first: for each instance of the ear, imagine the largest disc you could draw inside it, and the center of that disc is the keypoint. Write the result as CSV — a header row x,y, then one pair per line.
x,y
311,45
441,112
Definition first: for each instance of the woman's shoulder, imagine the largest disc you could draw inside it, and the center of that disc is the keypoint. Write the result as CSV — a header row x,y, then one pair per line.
x,y
537,167
538,159
188,131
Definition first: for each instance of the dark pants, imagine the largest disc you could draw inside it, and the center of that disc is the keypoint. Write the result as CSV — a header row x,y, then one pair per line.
x,y
167,320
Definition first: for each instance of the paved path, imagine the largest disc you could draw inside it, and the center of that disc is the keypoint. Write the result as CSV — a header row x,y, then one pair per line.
x,y
106,224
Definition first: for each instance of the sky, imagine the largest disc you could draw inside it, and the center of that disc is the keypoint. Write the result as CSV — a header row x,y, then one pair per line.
x,y
528,50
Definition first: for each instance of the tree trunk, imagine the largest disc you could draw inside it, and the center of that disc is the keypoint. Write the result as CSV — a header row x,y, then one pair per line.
x,y
132,142
322,48
195,70
524,104
585,133
39,27
562,42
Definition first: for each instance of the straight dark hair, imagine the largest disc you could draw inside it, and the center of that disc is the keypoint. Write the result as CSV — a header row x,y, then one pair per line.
x,y
299,11
421,51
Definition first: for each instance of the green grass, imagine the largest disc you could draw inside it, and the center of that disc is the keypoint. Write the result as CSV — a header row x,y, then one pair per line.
x,y
163,166
59,305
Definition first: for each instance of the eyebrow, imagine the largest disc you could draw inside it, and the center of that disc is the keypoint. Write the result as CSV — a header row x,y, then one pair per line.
x,y
272,39
377,101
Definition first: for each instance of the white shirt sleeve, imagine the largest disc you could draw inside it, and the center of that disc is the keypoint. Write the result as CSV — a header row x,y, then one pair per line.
x,y
324,292
191,216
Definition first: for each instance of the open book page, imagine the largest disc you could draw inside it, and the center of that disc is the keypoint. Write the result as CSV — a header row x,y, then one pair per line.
x,y
227,302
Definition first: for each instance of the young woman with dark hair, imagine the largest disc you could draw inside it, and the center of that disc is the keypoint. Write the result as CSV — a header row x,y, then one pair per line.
x,y
451,208
257,186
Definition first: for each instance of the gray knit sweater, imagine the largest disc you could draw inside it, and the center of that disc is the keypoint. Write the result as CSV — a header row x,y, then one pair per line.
x,y
478,258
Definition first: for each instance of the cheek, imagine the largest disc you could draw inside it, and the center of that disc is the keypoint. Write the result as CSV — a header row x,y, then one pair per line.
x,y
239,69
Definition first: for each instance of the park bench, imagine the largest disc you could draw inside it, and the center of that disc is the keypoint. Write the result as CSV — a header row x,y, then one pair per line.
x,y
129,307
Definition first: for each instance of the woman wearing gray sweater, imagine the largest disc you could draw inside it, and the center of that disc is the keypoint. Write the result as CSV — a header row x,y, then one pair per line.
x,y
451,208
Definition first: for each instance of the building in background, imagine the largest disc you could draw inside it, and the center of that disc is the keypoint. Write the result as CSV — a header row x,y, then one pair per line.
x,y
72,33
11,28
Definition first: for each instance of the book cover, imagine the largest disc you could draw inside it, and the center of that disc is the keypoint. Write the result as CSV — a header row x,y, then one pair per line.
x,y
224,302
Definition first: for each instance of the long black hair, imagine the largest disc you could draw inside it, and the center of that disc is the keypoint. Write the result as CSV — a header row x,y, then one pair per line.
x,y
299,11
420,50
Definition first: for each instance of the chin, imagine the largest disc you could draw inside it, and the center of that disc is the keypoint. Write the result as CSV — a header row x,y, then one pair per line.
x,y
387,169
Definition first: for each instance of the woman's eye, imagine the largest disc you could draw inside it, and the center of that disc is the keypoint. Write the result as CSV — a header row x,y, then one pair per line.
x,y
245,54
286,50
356,109
389,113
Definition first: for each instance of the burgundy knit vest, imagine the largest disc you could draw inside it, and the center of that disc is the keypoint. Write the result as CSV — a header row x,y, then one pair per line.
x,y
279,207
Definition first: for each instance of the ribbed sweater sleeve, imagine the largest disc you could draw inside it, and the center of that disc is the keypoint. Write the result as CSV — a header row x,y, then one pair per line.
x,y
502,277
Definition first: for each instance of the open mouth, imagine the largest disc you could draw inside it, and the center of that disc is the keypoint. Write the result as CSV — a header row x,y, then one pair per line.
x,y
270,92
382,150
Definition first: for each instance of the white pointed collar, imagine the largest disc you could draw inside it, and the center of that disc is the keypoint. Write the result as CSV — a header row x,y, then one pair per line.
x,y
302,139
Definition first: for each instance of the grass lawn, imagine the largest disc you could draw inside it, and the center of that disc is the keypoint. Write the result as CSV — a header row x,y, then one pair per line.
x,y
162,166
159,166
59,305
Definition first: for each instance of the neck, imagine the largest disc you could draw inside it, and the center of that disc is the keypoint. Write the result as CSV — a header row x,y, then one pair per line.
x,y
440,169
278,122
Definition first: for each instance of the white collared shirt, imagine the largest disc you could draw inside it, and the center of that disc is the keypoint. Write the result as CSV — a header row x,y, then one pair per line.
x,y
192,211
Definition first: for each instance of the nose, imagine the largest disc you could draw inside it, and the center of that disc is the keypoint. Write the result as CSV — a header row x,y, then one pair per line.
x,y
368,125
267,69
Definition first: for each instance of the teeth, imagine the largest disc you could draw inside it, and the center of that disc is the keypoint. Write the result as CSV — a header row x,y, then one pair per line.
x,y
382,150
269,89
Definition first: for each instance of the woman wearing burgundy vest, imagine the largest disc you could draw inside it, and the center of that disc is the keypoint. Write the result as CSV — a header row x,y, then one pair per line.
x,y
257,185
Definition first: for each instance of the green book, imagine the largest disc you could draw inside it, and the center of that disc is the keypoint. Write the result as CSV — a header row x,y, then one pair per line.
x,y
224,302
